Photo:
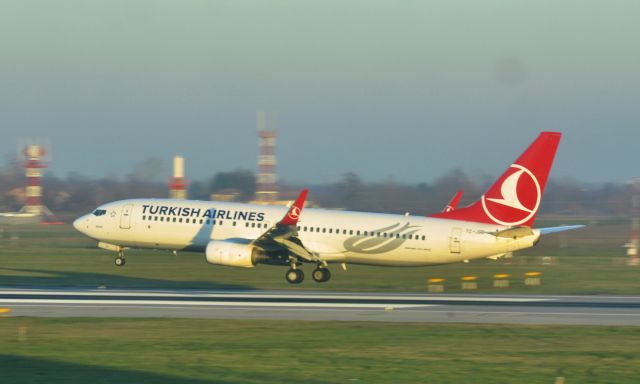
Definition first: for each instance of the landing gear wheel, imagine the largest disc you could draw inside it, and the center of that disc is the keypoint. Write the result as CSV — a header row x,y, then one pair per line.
x,y
120,261
321,275
294,276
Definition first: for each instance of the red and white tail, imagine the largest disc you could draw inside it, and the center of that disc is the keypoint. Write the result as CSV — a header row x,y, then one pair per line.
x,y
515,198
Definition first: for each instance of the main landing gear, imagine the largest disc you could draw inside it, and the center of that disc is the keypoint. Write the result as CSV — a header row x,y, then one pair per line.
x,y
295,276
321,274
120,261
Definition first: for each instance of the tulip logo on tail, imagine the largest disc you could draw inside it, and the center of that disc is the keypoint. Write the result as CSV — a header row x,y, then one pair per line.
x,y
516,201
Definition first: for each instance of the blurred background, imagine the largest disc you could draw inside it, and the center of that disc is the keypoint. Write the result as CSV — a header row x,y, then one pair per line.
x,y
373,105
383,106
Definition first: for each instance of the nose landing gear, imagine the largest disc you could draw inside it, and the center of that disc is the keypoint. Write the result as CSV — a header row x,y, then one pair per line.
x,y
120,261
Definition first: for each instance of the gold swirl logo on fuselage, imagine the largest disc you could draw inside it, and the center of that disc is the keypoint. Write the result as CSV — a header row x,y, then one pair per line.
x,y
376,242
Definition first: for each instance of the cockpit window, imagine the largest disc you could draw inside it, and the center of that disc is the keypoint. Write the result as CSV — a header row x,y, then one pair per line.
x,y
99,212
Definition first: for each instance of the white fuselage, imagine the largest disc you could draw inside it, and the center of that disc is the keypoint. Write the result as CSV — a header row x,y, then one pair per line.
x,y
336,236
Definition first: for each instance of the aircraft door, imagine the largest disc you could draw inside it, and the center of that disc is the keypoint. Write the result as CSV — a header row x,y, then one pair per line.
x,y
454,240
125,216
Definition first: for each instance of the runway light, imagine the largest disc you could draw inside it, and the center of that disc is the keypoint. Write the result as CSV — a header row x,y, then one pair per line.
x,y
435,285
532,278
5,311
501,280
469,282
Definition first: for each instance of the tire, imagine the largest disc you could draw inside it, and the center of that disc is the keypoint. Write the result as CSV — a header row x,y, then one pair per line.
x,y
119,261
321,275
294,276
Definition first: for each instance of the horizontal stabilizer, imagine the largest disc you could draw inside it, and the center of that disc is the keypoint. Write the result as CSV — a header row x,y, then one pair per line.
x,y
548,230
514,233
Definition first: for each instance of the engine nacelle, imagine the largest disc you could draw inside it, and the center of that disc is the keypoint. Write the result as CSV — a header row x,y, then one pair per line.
x,y
232,254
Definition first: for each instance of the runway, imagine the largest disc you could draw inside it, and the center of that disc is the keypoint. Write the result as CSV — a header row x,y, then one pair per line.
x,y
317,305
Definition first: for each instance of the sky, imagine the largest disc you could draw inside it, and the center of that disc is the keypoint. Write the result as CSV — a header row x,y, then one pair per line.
x,y
390,90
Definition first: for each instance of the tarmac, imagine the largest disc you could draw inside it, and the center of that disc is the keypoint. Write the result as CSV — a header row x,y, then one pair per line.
x,y
307,305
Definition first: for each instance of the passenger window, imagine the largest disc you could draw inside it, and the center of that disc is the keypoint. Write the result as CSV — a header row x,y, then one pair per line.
x,y
234,224
181,219
208,222
423,237
351,231
161,218
304,229
144,217
155,218
201,221
330,230
358,233
344,231
324,230
385,234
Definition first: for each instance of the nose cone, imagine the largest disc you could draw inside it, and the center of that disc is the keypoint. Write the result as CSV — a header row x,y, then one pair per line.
x,y
78,223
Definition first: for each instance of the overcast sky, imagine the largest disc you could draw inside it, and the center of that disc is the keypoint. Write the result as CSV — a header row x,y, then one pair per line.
x,y
387,89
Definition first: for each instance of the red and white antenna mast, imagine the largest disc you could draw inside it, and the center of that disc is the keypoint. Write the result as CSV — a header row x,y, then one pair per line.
x,y
178,184
634,242
267,181
34,156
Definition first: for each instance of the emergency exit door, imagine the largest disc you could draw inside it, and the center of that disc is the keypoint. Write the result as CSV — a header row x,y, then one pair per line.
x,y
454,240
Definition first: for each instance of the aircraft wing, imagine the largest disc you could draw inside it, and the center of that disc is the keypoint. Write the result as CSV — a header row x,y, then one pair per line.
x,y
283,235
453,204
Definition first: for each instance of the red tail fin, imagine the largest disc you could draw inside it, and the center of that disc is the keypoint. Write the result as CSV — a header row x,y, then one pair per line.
x,y
515,198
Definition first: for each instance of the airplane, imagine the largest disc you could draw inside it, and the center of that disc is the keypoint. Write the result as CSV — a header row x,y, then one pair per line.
x,y
245,235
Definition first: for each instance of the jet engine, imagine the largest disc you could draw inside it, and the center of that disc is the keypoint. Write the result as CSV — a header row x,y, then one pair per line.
x,y
232,254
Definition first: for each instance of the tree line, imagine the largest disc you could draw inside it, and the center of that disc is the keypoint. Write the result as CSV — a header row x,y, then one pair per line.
x,y
75,194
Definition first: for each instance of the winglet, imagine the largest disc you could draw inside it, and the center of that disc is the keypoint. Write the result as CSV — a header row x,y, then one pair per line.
x,y
293,214
453,204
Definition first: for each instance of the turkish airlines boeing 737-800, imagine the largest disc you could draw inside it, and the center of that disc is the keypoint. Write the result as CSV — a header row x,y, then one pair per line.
x,y
243,235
